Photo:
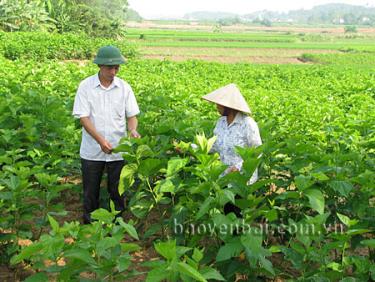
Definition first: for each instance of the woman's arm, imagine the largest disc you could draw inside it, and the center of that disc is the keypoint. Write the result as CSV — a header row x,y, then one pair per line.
x,y
252,134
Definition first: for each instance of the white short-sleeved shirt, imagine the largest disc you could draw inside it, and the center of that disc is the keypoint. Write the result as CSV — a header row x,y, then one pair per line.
x,y
242,132
107,109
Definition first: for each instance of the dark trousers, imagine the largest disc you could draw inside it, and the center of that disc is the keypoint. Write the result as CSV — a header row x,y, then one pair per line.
x,y
92,172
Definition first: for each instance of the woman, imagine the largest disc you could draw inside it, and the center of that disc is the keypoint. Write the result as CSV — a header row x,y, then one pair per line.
x,y
234,127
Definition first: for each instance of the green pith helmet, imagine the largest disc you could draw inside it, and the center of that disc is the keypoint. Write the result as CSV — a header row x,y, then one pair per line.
x,y
109,56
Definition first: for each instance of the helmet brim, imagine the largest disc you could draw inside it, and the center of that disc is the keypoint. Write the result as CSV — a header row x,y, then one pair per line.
x,y
109,62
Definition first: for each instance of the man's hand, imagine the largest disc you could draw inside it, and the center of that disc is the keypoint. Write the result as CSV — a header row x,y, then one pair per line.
x,y
134,134
106,146
132,126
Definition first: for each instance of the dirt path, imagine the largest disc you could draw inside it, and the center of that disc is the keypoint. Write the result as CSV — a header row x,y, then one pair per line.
x,y
231,55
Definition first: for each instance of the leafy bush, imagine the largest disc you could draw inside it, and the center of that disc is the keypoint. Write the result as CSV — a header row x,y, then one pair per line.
x,y
72,249
350,29
93,17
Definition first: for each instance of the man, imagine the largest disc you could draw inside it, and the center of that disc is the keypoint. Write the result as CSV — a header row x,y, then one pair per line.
x,y
102,103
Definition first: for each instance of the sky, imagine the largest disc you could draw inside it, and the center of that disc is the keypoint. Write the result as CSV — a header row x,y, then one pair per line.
x,y
151,9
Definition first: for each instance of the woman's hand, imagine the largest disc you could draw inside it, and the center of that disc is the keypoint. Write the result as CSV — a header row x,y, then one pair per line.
x,y
233,169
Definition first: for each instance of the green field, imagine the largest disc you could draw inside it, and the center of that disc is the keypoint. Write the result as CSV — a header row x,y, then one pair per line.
x,y
177,38
267,46
315,196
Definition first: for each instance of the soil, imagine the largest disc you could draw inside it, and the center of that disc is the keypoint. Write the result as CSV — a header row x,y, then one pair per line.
x,y
232,55
233,60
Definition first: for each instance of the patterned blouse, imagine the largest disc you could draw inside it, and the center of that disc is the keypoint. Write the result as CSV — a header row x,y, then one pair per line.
x,y
242,132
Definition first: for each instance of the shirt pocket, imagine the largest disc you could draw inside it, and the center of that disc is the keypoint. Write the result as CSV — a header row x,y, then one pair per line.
x,y
118,107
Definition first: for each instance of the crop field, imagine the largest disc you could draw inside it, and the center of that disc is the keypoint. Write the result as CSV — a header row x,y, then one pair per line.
x,y
310,217
256,46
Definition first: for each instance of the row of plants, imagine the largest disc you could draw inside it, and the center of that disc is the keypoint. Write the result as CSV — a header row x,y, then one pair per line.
x,y
360,59
43,46
316,168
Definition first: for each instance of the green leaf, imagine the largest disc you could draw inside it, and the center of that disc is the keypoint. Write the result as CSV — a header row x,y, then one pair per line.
x,y
181,250
348,279
267,265
27,252
175,165
38,277
166,186
144,151
166,249
320,176
227,196
334,266
54,224
149,167
127,177
141,208
104,244
342,187
353,232
303,182
210,143
316,199
128,228
229,250
204,208
189,271
129,247
275,249
205,144
125,147
253,243
370,243
197,255
152,230
124,262
102,215
80,254
211,273
346,220
158,274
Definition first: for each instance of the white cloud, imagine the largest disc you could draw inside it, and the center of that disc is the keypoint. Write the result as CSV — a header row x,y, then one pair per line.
x,y
177,8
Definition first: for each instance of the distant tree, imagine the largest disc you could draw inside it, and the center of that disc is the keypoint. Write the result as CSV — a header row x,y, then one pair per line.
x,y
94,17
350,29
218,28
23,15
266,22
229,21
350,18
132,15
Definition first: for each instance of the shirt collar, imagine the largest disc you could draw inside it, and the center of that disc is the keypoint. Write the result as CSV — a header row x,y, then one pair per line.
x,y
115,82
238,118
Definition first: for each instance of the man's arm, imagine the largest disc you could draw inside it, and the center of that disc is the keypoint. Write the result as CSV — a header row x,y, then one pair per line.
x,y
132,127
90,128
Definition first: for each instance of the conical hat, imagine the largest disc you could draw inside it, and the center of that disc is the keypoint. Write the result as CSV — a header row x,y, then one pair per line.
x,y
230,97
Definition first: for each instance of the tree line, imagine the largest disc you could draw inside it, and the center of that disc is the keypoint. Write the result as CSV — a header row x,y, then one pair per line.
x,y
93,17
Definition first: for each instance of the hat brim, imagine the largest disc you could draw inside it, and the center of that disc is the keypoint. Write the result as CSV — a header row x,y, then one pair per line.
x,y
242,109
109,62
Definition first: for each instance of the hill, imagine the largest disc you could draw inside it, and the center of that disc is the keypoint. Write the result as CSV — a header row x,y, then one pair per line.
x,y
343,14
